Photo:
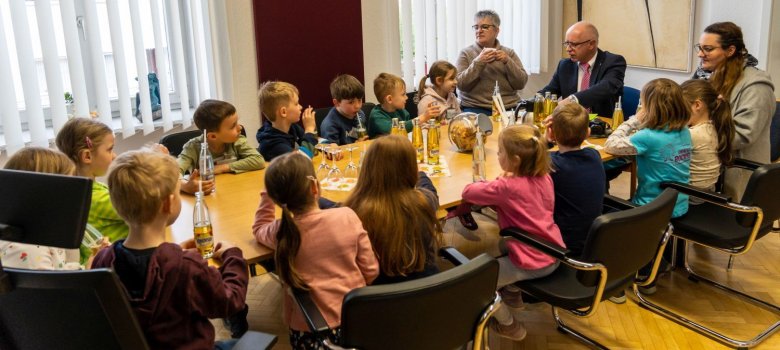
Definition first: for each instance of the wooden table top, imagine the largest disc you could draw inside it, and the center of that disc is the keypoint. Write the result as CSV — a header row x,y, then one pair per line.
x,y
233,206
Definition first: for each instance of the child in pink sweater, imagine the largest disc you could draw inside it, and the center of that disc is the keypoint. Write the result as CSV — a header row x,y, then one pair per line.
x,y
523,197
325,251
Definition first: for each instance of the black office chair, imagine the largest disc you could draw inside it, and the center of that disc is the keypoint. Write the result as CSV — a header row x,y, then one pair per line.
x,y
411,104
732,228
175,142
443,311
62,309
774,134
367,107
618,245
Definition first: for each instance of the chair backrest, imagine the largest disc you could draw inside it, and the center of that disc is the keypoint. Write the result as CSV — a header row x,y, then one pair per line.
x,y
774,134
627,240
630,101
763,191
435,312
175,142
367,107
67,310
411,105
319,116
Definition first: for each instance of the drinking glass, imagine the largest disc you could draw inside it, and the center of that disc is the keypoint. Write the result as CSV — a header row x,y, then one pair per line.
x,y
323,168
351,170
334,174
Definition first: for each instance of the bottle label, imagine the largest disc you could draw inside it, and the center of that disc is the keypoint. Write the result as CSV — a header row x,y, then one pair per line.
x,y
204,240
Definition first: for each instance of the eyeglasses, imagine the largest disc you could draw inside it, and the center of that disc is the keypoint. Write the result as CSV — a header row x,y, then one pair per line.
x,y
574,45
705,49
483,26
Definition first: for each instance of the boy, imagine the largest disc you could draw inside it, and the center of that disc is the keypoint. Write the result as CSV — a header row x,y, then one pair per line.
x,y
281,134
229,149
390,91
345,118
576,206
172,290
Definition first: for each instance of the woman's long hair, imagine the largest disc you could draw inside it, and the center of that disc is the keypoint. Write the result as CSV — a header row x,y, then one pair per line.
x,y
725,77
399,219
719,112
288,181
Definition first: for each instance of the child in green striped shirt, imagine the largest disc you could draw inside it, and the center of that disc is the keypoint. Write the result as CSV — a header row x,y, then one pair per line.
x,y
90,144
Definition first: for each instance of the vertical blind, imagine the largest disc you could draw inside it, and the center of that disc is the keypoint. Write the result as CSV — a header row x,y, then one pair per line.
x,y
438,29
41,59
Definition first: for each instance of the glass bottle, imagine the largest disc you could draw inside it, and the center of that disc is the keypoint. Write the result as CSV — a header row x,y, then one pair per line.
x,y
201,224
617,116
496,108
554,103
417,140
433,143
206,164
539,110
478,159
402,128
394,129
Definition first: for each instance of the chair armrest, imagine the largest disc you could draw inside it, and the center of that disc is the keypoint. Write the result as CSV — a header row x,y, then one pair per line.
x,y
542,245
311,313
706,195
618,203
453,255
744,164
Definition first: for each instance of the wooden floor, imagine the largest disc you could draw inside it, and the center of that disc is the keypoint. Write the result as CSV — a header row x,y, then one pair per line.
x,y
626,326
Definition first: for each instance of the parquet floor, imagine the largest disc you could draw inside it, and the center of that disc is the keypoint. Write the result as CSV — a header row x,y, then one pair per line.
x,y
626,326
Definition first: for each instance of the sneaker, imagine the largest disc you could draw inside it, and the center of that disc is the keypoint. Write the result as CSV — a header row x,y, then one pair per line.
x,y
648,290
514,330
237,323
618,299
512,298
467,220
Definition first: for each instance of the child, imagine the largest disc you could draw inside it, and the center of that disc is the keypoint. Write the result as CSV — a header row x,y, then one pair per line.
x,y
281,134
35,257
441,91
659,138
577,175
324,251
523,197
229,149
345,118
397,205
90,144
172,290
390,91
712,132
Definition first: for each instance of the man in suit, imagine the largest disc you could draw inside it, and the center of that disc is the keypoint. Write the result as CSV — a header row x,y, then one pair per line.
x,y
590,76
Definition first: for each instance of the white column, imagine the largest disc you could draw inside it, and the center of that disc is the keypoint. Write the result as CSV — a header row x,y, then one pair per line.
x,y
161,54
75,62
92,28
180,69
141,68
32,93
120,68
51,64
12,126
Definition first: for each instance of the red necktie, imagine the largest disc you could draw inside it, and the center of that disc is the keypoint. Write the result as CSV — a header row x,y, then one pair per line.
x,y
585,76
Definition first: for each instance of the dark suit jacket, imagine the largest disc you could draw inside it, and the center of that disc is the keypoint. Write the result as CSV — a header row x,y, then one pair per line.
x,y
606,82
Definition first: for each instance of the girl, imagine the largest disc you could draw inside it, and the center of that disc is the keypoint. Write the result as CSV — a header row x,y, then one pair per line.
x,y
90,144
523,197
35,257
712,132
397,205
324,251
659,138
441,91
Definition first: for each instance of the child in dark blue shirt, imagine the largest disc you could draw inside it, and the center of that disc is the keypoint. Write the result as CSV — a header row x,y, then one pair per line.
x,y
578,175
345,123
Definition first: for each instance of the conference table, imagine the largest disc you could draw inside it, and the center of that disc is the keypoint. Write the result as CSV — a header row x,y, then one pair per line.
x,y
232,207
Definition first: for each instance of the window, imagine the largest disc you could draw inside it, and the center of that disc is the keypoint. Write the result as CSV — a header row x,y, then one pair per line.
x,y
123,40
438,29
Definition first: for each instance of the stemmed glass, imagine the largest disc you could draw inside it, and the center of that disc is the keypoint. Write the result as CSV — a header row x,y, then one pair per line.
x,y
351,170
334,174
323,168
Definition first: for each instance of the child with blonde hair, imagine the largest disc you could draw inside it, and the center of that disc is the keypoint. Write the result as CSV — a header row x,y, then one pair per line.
x,y
325,251
441,92
35,257
523,196
173,291
390,91
280,133
90,144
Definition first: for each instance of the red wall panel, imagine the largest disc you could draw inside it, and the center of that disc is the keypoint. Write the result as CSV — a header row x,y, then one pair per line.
x,y
307,43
